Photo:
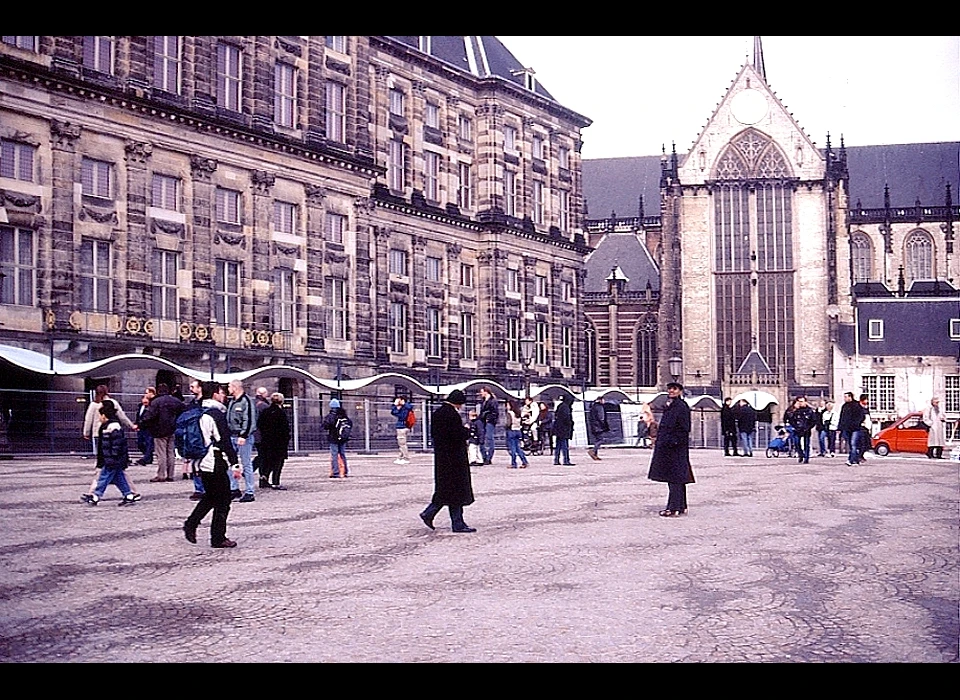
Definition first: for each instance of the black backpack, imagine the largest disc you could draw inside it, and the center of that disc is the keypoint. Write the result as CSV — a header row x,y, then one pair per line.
x,y
342,428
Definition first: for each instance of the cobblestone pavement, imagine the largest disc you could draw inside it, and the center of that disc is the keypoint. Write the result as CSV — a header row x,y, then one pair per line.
x,y
775,561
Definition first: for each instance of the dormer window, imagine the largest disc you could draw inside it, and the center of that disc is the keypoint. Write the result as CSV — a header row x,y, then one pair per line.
x,y
528,77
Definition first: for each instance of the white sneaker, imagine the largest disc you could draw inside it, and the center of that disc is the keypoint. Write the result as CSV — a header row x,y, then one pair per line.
x,y
398,461
403,461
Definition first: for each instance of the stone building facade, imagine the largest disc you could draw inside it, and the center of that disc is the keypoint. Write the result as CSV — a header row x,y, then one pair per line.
x,y
351,205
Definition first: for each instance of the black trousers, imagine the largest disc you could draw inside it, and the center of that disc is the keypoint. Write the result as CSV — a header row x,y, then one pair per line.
x,y
730,443
677,498
216,497
456,513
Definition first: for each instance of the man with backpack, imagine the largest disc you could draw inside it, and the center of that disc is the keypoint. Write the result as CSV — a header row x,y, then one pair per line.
x,y
403,413
219,458
338,426
242,419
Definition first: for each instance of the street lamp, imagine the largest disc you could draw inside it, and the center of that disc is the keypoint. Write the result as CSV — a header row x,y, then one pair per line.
x,y
527,345
675,366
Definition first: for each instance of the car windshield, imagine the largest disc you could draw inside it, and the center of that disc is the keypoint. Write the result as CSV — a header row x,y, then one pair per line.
x,y
913,422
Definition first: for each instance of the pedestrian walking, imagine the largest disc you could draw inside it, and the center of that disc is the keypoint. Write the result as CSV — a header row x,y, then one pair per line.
x,y
113,457
338,426
451,471
728,426
547,416
671,452
144,436
401,410
195,391
474,454
563,430
851,418
220,458
91,419
937,424
597,426
242,419
91,430
803,419
274,427
261,402
513,431
161,420
490,414
746,416
829,418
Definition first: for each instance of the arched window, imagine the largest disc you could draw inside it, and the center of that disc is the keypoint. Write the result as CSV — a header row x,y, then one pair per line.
x,y
918,256
647,351
753,266
861,256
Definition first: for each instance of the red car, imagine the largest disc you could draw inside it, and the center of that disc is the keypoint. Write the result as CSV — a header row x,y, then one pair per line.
x,y
908,434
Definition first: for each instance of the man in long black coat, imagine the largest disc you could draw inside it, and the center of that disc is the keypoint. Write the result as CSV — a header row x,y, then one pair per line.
x,y
451,466
728,426
671,452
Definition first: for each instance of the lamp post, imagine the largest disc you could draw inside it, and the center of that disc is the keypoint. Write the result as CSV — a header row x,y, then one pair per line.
x,y
527,345
675,366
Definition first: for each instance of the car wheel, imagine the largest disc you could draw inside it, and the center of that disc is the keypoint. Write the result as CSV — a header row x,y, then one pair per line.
x,y
882,449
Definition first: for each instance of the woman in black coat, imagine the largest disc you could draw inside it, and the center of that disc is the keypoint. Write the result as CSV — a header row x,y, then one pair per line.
x,y
451,467
563,430
671,452
274,438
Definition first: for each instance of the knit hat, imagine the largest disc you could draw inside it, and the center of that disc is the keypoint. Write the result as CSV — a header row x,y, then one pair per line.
x,y
334,403
457,397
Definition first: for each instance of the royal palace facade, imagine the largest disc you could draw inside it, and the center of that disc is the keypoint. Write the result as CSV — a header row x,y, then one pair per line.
x,y
351,205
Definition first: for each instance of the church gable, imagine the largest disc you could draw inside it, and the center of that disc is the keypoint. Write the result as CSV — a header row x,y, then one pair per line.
x,y
752,120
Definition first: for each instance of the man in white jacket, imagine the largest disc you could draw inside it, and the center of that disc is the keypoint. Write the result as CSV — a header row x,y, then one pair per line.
x,y
212,468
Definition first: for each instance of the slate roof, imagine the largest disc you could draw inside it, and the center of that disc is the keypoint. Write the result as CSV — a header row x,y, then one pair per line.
x,y
482,56
913,171
615,185
630,254
918,327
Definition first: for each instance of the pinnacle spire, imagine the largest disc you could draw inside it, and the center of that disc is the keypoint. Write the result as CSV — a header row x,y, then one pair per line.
x,y
758,58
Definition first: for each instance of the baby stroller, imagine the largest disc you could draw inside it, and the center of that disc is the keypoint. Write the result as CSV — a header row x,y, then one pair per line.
x,y
530,444
783,443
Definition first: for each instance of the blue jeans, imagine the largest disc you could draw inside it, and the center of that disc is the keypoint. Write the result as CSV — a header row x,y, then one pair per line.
x,y
513,446
336,452
853,438
112,476
822,436
245,455
746,444
562,450
487,447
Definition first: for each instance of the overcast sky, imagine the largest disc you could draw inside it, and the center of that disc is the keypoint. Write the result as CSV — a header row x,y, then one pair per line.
x,y
643,93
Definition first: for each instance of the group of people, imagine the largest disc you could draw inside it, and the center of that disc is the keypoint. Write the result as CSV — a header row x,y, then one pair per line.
x,y
525,424
738,425
230,428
